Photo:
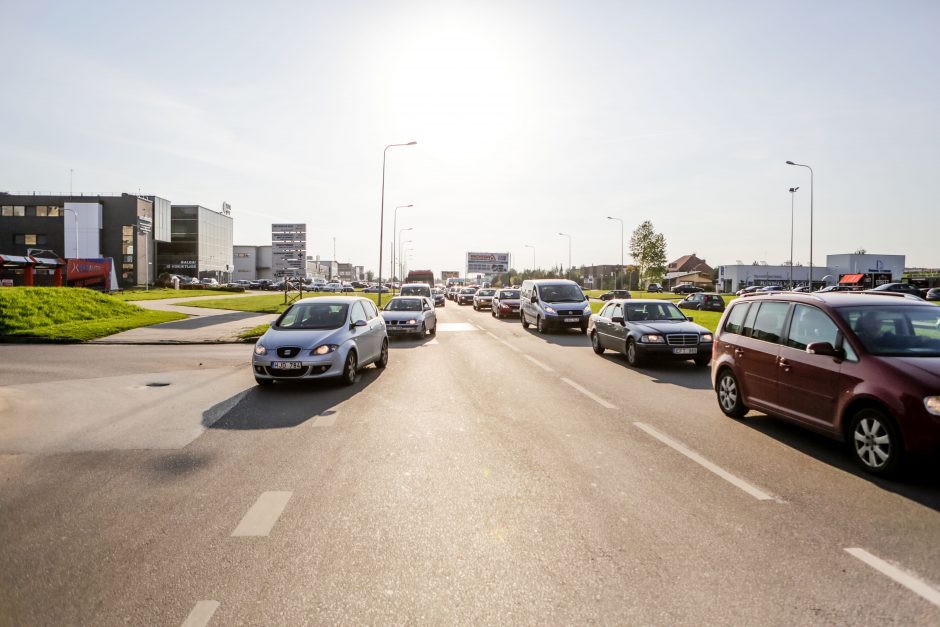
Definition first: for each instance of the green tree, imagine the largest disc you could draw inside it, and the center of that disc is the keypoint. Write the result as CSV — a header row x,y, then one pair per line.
x,y
648,249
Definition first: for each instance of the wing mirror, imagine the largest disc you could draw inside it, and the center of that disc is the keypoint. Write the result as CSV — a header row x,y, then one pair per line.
x,y
358,323
617,319
690,318
824,348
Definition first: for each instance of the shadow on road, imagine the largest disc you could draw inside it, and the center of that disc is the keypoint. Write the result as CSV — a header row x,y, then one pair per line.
x,y
284,404
413,341
681,373
200,322
570,338
920,481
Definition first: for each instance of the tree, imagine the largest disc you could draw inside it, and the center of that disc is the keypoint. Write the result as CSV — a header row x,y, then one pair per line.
x,y
370,276
648,249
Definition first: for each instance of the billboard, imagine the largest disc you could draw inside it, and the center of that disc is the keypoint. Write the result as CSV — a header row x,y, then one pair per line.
x,y
450,274
487,263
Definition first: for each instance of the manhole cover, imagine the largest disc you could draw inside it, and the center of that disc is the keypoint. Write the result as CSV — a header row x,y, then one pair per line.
x,y
157,385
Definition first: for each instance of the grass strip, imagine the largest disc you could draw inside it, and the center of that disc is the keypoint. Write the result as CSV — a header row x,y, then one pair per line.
x,y
163,293
268,303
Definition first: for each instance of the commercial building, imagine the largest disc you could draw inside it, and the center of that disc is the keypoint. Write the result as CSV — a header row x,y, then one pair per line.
x,y
289,249
253,263
201,244
865,270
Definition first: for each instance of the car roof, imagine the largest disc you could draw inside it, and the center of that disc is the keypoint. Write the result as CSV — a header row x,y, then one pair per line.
x,y
547,281
840,299
340,300
641,301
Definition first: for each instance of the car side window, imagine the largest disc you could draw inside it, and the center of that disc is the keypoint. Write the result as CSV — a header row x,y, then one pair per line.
x,y
356,313
617,312
749,320
735,322
604,313
809,325
768,326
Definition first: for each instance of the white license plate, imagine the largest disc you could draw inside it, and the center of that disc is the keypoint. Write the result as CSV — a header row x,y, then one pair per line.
x,y
572,319
286,365
684,351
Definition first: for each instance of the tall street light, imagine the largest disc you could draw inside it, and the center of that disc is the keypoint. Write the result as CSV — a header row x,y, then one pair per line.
x,y
621,247
382,215
394,230
533,255
792,194
75,223
397,269
569,249
802,165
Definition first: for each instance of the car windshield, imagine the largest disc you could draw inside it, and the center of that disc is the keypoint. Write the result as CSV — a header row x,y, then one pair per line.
x,y
561,293
896,330
404,304
510,294
486,292
313,316
415,290
653,311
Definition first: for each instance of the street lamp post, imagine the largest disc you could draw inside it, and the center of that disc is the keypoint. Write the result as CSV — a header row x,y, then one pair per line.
x,y
792,194
621,245
382,215
397,269
533,255
569,249
75,218
802,165
394,230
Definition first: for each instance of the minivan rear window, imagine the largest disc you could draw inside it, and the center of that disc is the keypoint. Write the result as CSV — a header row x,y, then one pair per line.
x,y
768,326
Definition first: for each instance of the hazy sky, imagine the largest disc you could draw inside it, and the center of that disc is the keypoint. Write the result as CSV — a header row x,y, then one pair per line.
x,y
531,118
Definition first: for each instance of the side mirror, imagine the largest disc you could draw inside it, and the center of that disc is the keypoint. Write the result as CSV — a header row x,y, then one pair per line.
x,y
617,319
690,318
359,323
824,348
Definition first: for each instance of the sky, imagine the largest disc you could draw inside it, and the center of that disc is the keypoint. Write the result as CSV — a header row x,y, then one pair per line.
x,y
531,119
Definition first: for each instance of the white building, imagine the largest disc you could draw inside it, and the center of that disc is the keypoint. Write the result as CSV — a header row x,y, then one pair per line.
x,y
866,263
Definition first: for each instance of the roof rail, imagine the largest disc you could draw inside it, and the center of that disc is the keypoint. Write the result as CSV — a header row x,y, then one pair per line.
x,y
886,293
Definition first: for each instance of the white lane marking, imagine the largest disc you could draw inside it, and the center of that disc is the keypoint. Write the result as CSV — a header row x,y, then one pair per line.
x,y
444,327
698,459
591,395
479,327
493,335
201,614
325,420
538,363
509,346
910,582
263,514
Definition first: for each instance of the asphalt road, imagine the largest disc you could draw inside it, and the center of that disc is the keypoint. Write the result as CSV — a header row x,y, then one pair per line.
x,y
489,476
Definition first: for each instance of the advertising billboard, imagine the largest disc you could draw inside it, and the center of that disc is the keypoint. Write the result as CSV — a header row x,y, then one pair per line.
x,y
487,263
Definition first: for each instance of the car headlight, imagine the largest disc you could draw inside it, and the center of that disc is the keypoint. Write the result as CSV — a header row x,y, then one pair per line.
x,y
932,403
707,337
412,321
549,310
260,349
653,338
324,349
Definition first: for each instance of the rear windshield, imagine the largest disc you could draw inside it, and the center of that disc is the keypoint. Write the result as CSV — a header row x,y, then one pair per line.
x,y
896,330
561,293
404,304
313,316
415,290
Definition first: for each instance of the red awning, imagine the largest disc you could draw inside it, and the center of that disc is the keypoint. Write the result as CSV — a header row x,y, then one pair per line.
x,y
851,278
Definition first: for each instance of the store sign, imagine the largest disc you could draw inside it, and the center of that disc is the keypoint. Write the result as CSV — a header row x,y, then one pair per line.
x,y
487,263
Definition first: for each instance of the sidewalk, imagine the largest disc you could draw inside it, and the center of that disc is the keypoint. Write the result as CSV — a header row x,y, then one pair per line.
x,y
204,326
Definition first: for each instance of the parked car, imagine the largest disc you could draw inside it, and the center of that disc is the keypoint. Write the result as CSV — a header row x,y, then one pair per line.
x,y
615,294
863,368
410,315
703,302
654,288
439,299
750,289
505,303
465,295
554,303
801,288
933,294
900,288
686,288
317,338
771,288
375,289
483,299
641,329
836,288
209,282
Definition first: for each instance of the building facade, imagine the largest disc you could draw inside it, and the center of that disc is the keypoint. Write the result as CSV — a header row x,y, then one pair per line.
x,y
201,244
252,263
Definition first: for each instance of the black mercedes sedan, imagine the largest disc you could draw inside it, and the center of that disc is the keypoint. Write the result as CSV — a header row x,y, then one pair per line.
x,y
644,329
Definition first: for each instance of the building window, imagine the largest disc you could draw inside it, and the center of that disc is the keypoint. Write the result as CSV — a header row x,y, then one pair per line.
x,y
6,211
17,211
30,239
55,212
42,211
127,243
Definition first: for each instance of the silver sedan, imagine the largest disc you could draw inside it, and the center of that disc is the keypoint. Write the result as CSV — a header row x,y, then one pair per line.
x,y
410,315
317,338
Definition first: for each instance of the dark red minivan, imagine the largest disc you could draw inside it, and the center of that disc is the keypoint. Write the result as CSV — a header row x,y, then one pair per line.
x,y
859,367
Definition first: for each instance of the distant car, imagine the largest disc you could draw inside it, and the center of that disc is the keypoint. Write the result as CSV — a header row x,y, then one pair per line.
x,y
483,299
465,295
836,288
615,294
933,294
654,288
750,289
863,368
900,288
801,288
410,315
505,303
771,288
641,329
375,289
439,299
321,337
703,302
686,288
210,282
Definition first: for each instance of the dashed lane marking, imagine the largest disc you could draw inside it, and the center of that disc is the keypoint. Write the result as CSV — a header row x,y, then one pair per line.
x,y
201,614
262,516
538,363
591,395
910,582
698,459
446,327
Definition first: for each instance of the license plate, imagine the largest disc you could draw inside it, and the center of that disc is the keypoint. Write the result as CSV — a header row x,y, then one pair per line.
x,y
685,351
286,365
572,319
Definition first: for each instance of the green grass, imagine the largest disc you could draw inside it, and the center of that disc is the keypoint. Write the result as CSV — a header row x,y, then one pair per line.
x,y
268,303
254,332
74,314
161,293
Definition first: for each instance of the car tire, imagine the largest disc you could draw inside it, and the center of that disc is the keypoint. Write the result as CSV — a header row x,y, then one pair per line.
x,y
423,331
583,329
634,358
729,395
493,313
264,382
349,368
434,329
596,343
702,360
475,308
875,442
525,323
382,361
541,325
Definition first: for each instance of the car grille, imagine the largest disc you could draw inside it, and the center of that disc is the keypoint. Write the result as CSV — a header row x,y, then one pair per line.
x,y
396,323
572,312
288,351
284,374
682,339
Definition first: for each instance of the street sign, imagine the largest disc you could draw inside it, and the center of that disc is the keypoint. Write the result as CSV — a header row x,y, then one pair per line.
x,y
144,224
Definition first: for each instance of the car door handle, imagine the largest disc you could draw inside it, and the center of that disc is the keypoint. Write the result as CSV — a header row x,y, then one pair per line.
x,y
738,352
783,363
